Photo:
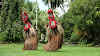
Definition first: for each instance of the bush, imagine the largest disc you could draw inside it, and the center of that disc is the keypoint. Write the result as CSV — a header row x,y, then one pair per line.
x,y
3,36
74,37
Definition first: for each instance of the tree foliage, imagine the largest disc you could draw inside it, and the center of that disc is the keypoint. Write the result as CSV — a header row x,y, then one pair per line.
x,y
10,23
54,3
82,22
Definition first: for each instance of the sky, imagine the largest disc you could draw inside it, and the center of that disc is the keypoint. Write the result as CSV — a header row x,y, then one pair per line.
x,y
60,11
41,4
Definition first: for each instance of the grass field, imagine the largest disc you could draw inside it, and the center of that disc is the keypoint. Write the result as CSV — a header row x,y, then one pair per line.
x,y
16,50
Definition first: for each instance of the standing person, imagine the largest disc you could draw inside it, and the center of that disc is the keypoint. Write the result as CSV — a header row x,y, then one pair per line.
x,y
55,34
31,40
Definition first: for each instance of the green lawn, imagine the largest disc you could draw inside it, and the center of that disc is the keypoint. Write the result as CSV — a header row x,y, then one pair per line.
x,y
16,50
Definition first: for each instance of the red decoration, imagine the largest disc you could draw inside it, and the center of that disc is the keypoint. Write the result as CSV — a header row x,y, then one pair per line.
x,y
51,18
27,26
52,22
50,11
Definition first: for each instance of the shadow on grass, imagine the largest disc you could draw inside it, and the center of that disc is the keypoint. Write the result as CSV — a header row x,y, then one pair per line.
x,y
41,50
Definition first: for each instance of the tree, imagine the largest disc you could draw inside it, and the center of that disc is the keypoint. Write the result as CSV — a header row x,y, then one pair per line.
x,y
54,3
82,14
10,20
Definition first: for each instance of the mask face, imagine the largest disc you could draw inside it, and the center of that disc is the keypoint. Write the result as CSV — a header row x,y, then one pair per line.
x,y
50,14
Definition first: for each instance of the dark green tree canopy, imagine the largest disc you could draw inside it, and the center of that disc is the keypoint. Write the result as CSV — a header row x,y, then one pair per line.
x,y
54,3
